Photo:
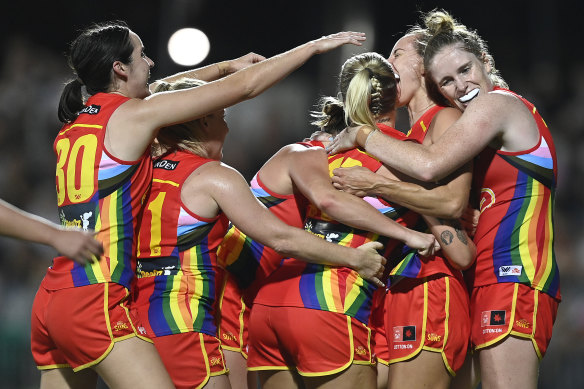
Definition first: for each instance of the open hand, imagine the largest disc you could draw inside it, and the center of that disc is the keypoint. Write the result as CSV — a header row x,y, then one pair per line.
x,y
356,180
345,140
333,41
78,245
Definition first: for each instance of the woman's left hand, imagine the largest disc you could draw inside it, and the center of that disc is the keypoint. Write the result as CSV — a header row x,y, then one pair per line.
x,y
345,140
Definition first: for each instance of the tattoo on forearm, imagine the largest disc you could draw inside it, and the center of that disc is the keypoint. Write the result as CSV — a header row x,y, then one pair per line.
x,y
460,233
447,237
461,236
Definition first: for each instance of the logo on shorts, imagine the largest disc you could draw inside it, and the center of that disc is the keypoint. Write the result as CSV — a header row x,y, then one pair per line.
x,y
404,333
522,323
360,350
510,270
214,361
142,330
229,336
434,337
120,326
492,318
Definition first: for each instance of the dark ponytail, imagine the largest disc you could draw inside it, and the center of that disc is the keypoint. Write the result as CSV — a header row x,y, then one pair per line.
x,y
71,101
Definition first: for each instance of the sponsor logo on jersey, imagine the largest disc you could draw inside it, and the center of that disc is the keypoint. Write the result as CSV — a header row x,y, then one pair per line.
x,y
360,350
404,333
91,109
165,164
487,198
492,318
514,270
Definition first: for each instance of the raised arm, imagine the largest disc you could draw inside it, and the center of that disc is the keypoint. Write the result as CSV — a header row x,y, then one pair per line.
x,y
134,125
222,184
75,244
214,71
308,169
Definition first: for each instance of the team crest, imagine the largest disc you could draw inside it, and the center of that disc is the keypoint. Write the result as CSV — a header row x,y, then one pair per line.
x,y
404,333
493,318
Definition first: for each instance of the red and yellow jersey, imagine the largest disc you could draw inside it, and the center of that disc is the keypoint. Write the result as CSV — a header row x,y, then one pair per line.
x,y
96,191
420,128
413,265
178,275
515,235
336,289
248,260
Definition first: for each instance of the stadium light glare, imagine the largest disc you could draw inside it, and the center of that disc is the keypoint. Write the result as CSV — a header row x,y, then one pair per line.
x,y
188,46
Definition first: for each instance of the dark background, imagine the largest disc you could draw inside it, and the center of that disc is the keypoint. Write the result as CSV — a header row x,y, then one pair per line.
x,y
536,45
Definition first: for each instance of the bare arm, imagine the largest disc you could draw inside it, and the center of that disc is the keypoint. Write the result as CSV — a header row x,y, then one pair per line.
x,y
75,244
214,71
223,184
445,201
448,199
308,169
133,125
484,122
457,247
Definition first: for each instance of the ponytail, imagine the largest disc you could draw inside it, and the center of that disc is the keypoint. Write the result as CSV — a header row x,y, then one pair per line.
x,y
71,101
330,117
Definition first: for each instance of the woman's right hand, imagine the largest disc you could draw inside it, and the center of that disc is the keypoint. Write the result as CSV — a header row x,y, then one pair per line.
x,y
356,180
77,245
426,244
330,42
371,265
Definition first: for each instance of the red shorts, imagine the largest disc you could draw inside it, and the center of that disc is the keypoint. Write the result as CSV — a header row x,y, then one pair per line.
x,y
313,342
377,325
77,327
234,318
432,314
191,358
504,309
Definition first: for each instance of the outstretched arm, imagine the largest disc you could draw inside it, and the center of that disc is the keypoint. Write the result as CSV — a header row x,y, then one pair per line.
x,y
134,124
223,184
75,244
214,71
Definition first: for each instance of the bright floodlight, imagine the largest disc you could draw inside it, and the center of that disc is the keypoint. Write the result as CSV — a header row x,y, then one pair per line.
x,y
188,46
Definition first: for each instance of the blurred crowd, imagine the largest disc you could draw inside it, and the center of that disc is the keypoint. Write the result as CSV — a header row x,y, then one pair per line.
x,y
31,80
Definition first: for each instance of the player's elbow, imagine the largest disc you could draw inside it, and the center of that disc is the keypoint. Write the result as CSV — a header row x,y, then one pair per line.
x,y
328,203
454,207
